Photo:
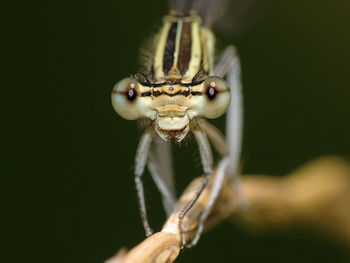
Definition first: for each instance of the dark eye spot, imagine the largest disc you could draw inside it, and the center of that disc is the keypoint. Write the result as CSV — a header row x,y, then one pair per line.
x,y
211,93
131,94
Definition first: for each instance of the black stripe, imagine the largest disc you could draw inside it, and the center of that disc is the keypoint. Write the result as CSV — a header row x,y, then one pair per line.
x,y
183,93
176,82
185,48
168,57
146,94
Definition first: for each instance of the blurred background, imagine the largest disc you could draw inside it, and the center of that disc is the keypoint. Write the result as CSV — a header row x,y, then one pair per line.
x,y
75,183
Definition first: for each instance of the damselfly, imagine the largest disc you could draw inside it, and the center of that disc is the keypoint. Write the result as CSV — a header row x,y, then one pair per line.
x,y
175,92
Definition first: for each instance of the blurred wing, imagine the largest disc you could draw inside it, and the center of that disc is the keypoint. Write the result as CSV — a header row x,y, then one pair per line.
x,y
234,129
238,16
160,167
230,16
209,10
234,117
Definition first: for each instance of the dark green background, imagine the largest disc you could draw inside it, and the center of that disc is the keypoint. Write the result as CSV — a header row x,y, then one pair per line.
x,y
73,163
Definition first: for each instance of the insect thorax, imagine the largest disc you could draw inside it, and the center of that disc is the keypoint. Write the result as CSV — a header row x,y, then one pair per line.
x,y
181,59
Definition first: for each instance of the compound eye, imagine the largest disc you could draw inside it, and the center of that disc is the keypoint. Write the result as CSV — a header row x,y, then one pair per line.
x,y
218,97
125,99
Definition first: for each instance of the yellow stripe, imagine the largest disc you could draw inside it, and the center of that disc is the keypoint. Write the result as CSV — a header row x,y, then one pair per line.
x,y
158,58
177,43
210,48
202,40
195,60
205,50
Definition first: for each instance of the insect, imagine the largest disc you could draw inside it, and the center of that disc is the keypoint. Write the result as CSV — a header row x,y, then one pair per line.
x,y
177,90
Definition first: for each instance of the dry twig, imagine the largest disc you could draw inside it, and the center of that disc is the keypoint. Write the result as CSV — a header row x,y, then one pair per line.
x,y
316,195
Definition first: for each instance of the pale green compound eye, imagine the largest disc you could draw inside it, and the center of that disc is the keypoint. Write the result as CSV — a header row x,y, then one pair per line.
x,y
125,99
217,97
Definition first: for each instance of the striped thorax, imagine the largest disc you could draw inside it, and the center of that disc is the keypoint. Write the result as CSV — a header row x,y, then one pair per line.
x,y
177,84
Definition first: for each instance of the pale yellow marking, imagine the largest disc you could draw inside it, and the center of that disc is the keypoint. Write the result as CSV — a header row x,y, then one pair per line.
x,y
171,89
144,89
159,54
171,111
174,69
195,60
210,48
205,50
197,88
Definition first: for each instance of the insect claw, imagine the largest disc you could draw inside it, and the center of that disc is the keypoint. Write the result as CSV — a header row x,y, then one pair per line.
x,y
149,232
183,242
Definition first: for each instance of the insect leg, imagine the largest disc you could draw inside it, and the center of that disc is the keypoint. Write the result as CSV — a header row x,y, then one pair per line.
x,y
140,162
207,162
229,164
214,192
215,136
204,146
234,128
160,167
218,140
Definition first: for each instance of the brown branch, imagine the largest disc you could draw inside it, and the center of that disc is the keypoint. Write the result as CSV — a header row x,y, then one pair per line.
x,y
316,195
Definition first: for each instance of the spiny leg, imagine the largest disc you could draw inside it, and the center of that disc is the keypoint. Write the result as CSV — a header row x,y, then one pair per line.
x,y
203,145
140,162
214,192
207,162
217,139
160,167
215,136
229,164
230,64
